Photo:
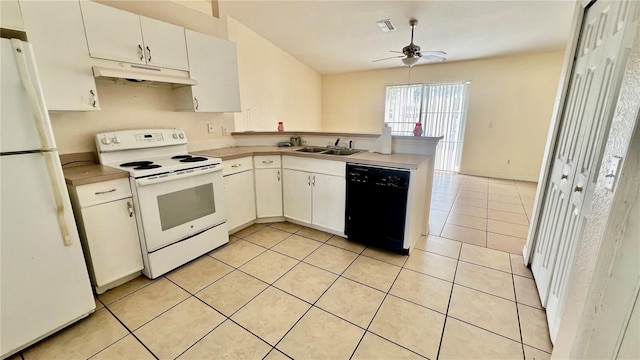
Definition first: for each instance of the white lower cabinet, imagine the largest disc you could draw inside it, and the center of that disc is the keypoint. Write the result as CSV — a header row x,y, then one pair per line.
x,y
296,195
329,195
239,192
268,175
313,197
105,216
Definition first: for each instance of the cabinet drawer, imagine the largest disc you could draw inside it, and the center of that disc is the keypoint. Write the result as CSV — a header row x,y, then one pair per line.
x,y
102,192
318,166
267,162
237,165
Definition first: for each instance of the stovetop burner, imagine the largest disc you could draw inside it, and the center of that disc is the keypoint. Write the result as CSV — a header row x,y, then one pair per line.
x,y
194,159
147,166
138,163
178,157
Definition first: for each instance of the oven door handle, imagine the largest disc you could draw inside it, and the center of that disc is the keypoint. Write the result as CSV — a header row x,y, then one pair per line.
x,y
173,176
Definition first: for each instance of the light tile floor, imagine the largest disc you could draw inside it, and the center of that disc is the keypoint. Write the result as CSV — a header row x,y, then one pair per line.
x,y
282,290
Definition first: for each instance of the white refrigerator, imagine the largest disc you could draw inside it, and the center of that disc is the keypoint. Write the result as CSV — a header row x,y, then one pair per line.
x,y
44,284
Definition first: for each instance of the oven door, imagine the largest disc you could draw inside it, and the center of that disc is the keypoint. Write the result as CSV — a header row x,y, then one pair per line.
x,y
178,206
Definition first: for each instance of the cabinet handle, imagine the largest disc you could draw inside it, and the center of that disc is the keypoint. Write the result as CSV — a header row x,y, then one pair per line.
x,y
195,103
93,96
104,192
236,165
141,52
278,175
267,161
309,180
564,176
130,206
578,189
149,52
314,181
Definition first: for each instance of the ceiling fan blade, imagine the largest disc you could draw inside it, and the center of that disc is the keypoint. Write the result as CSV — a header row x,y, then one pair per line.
x,y
433,58
389,58
433,52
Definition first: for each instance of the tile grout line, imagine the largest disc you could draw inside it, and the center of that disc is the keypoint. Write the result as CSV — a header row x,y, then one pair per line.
x,y
130,333
312,305
376,314
515,294
444,325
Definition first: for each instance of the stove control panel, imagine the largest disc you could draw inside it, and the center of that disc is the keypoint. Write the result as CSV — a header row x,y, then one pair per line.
x,y
149,137
139,139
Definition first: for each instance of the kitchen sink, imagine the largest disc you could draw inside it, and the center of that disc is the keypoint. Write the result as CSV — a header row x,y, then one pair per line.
x,y
342,151
310,149
328,151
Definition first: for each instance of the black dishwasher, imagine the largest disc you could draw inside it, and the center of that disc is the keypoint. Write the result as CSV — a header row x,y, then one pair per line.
x,y
376,208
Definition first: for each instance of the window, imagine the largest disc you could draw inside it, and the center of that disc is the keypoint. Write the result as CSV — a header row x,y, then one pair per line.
x,y
440,108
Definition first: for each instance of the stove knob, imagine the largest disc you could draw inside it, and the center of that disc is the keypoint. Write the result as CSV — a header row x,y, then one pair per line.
x,y
116,140
181,136
106,141
175,136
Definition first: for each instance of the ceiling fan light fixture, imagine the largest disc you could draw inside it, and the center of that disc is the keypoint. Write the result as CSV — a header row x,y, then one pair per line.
x,y
410,61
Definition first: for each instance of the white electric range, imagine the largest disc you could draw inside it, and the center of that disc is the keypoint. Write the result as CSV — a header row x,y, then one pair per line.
x,y
178,197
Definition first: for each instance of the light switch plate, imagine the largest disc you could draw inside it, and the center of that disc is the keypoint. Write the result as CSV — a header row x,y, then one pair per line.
x,y
211,127
612,173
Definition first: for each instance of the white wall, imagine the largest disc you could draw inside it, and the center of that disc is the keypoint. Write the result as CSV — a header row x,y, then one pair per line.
x,y
274,86
130,106
514,93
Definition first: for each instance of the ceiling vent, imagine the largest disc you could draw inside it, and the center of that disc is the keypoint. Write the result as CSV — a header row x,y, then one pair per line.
x,y
386,25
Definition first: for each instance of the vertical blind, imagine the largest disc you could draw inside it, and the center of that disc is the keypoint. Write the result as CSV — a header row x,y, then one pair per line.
x,y
440,108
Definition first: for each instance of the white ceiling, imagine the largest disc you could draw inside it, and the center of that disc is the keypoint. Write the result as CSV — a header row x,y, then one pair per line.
x,y
342,36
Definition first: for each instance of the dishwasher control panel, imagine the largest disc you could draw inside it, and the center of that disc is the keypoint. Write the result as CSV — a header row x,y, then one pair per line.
x,y
373,176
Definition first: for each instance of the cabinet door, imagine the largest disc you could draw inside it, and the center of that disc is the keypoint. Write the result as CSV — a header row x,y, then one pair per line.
x,y
213,63
113,240
329,194
56,32
165,45
296,195
240,199
112,33
268,192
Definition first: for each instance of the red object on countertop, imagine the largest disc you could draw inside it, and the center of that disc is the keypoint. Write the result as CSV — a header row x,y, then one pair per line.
x,y
417,130
280,126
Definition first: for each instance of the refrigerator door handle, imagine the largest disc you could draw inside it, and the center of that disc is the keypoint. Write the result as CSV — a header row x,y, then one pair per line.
x,y
34,99
35,102
60,209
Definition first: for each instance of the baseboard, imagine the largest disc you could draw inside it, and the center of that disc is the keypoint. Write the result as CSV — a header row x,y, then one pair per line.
x,y
504,177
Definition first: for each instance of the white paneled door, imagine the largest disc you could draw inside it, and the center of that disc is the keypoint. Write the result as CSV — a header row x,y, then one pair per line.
x,y
587,112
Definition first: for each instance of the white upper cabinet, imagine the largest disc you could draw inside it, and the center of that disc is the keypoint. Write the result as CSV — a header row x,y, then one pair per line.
x,y
119,35
165,45
213,63
10,16
55,30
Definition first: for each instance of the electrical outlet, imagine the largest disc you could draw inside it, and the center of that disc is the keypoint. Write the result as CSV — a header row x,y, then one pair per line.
x,y
303,142
225,131
211,128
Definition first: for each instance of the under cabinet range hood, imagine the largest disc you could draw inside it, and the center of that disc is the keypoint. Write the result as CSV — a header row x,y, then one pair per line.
x,y
126,73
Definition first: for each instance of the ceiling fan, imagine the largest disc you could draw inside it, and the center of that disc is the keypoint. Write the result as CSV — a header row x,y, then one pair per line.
x,y
412,54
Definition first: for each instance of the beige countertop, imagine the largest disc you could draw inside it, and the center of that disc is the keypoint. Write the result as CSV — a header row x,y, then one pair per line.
x,y
89,174
93,173
407,161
